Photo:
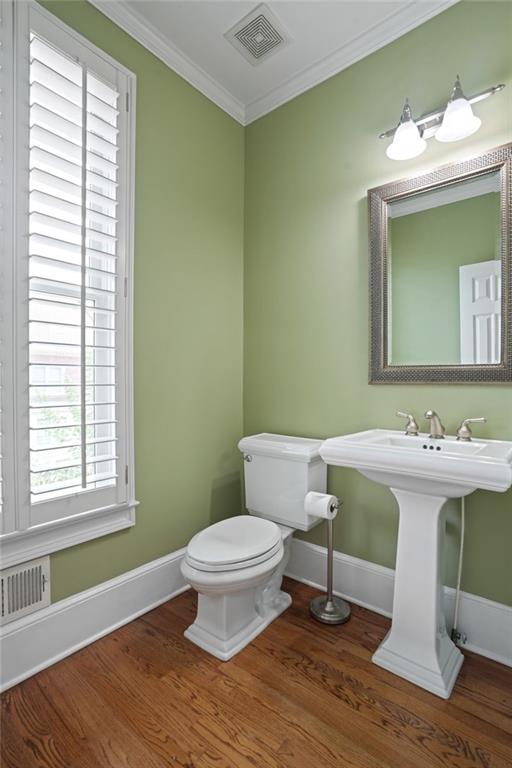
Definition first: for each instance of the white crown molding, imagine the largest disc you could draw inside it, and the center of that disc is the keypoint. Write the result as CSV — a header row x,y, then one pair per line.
x,y
410,16
147,35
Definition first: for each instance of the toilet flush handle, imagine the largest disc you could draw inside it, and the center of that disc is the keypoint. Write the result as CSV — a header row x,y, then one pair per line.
x,y
247,457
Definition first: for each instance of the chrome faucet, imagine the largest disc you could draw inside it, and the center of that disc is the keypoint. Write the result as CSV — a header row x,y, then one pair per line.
x,y
436,428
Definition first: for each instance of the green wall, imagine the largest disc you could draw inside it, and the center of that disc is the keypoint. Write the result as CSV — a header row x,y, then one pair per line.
x,y
427,249
188,314
308,167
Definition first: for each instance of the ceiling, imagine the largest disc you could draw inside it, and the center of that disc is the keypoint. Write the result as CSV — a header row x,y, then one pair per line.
x,y
325,37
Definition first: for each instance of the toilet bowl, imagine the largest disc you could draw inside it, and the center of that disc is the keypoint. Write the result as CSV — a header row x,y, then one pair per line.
x,y
236,566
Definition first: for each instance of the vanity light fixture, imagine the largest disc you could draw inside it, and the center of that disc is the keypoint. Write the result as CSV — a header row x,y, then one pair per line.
x,y
459,120
407,141
451,123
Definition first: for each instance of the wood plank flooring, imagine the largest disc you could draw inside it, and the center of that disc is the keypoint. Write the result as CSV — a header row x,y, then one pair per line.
x,y
303,695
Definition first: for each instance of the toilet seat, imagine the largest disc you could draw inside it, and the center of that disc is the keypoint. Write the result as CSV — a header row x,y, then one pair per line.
x,y
236,543
213,567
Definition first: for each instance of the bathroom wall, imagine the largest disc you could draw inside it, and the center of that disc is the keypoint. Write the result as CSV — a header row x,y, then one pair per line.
x,y
427,249
308,167
188,314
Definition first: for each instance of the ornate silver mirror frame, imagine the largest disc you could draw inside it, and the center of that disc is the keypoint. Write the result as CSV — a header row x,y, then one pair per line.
x,y
380,371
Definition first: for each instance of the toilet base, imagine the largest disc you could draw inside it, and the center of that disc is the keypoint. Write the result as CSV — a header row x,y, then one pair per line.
x,y
225,649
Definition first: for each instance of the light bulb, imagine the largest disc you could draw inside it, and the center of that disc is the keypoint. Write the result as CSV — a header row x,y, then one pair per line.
x,y
407,141
459,120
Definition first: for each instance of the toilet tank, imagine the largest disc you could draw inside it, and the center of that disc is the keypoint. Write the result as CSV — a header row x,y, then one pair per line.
x,y
279,470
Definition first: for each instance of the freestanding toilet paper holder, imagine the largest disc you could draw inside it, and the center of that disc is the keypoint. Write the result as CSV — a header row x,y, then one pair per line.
x,y
327,608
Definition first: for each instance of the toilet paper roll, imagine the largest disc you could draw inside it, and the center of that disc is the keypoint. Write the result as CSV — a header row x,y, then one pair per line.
x,y
321,505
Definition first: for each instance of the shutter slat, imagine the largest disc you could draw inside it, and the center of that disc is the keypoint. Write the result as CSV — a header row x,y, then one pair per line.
x,y
102,110
55,80
64,265
55,185
70,325
94,423
51,284
99,145
96,460
71,483
59,446
51,121
56,145
40,94
58,60
101,91
98,127
40,299
43,160
42,202
70,404
45,241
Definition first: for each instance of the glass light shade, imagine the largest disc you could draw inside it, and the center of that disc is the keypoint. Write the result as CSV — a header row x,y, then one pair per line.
x,y
407,142
458,121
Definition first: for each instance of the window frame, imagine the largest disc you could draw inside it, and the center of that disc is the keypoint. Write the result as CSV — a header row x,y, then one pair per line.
x,y
20,537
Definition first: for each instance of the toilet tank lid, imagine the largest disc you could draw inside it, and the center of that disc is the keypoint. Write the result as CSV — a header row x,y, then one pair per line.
x,y
303,449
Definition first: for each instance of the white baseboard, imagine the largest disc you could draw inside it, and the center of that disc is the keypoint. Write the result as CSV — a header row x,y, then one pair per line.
x,y
37,641
487,625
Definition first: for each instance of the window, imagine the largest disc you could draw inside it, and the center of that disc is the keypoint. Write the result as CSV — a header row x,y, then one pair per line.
x,y
65,380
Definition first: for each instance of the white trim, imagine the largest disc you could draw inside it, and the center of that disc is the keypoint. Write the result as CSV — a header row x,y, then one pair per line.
x,y
150,37
7,240
28,533
487,624
399,23
20,546
402,21
35,642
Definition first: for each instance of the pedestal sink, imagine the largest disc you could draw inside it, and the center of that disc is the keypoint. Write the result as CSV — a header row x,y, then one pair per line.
x,y
422,473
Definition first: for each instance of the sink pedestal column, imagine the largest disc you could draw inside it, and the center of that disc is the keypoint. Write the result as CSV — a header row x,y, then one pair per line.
x,y
417,646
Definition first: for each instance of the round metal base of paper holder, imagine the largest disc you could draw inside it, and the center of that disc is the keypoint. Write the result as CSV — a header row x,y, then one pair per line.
x,y
333,611
327,608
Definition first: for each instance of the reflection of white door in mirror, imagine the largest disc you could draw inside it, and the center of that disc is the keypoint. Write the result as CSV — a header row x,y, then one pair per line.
x,y
480,313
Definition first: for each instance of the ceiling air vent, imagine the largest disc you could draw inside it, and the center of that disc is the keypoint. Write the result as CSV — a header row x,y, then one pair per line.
x,y
258,35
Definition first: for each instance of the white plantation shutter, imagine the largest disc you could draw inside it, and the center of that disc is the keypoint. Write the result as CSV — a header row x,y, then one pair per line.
x,y
72,409
72,276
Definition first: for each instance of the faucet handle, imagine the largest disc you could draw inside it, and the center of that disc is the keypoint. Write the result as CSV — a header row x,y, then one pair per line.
x,y
464,431
411,428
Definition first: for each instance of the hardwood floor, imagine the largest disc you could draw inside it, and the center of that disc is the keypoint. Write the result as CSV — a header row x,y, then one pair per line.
x,y
302,695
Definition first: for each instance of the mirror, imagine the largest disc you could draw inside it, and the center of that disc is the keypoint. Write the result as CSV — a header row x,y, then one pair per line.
x,y
441,274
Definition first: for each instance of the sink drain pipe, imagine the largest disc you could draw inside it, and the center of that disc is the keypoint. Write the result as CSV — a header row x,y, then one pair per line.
x,y
459,637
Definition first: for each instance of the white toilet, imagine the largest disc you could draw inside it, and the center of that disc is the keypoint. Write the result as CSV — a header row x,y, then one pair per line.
x,y
237,565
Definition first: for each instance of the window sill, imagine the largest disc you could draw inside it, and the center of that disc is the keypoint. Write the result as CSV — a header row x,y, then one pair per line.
x,y
20,546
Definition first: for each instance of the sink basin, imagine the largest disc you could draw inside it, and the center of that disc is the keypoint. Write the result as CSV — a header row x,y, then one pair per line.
x,y
446,467
422,473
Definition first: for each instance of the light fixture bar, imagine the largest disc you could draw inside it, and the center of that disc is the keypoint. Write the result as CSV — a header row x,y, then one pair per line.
x,y
429,122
